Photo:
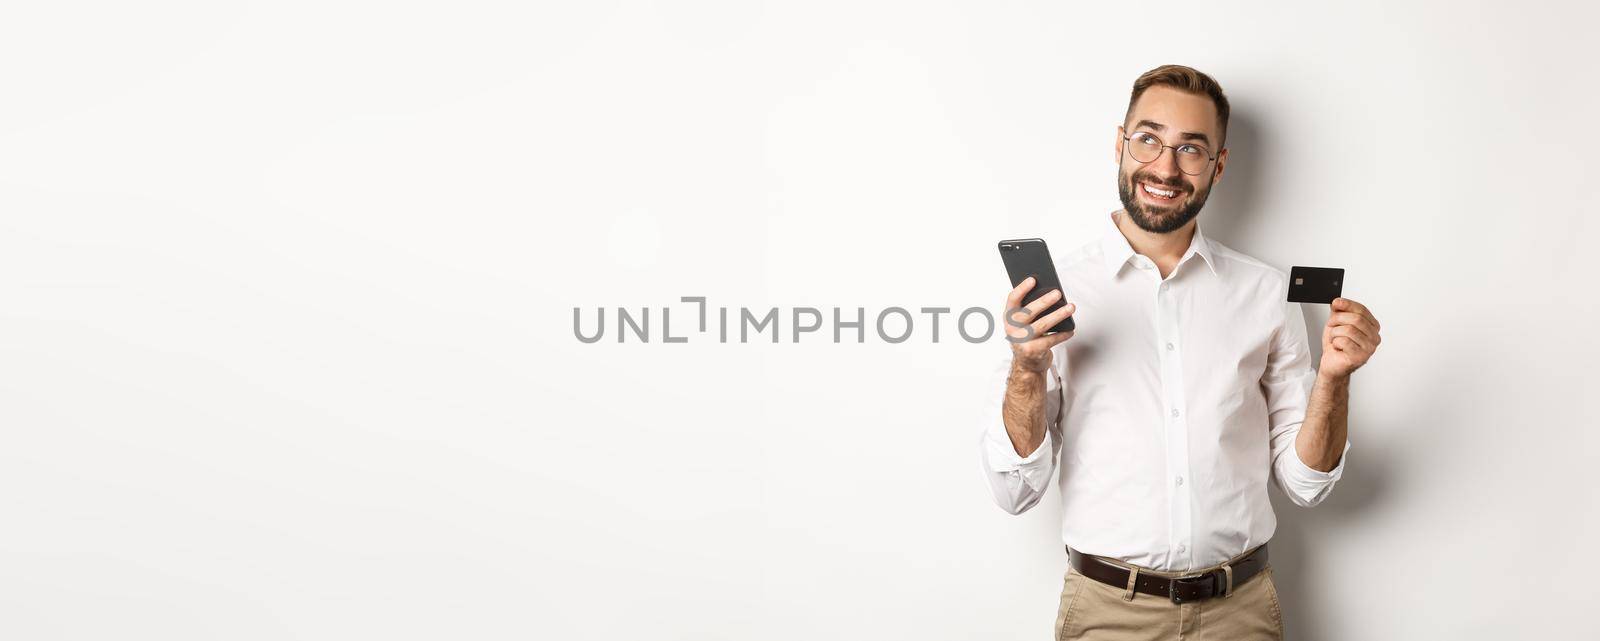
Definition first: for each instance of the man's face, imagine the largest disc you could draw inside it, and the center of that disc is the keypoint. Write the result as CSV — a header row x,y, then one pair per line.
x,y
1177,118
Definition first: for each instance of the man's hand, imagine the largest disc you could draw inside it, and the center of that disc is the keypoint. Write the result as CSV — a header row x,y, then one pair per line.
x,y
1349,339
1024,406
1030,346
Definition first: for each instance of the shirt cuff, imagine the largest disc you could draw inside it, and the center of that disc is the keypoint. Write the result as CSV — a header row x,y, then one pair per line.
x,y
1304,473
1003,455
1033,469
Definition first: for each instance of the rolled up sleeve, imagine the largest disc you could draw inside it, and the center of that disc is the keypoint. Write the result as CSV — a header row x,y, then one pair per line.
x,y
1018,482
1287,385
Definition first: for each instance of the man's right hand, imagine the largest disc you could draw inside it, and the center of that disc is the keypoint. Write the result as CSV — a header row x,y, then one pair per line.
x,y
1025,329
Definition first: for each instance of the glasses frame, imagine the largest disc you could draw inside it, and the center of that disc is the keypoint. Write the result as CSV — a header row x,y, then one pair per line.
x,y
1128,140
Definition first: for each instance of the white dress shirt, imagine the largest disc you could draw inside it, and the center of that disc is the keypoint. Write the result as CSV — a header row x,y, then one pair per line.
x,y
1168,409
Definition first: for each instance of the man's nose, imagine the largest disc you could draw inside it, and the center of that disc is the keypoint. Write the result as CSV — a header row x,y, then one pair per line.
x,y
1166,165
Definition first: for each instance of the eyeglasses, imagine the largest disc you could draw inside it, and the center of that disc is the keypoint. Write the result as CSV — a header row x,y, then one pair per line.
x,y
1145,147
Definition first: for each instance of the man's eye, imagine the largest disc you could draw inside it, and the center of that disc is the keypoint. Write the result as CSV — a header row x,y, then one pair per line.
x,y
1191,149
1146,139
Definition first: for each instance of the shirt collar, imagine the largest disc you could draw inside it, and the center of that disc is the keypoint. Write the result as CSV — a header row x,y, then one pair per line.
x,y
1115,249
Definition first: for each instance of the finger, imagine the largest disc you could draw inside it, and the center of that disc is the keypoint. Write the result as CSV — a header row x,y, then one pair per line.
x,y
1054,318
1365,334
1057,339
1343,344
1034,308
1350,333
1020,335
1014,299
1366,323
1346,305
1351,318
1018,319
1349,308
1342,318
1370,328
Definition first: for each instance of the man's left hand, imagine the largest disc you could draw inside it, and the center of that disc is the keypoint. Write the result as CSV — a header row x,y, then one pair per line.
x,y
1349,338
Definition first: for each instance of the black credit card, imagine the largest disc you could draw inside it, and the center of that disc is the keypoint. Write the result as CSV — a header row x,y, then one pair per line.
x,y
1315,284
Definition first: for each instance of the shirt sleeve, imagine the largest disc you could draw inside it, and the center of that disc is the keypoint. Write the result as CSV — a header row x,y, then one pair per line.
x,y
1287,385
1018,482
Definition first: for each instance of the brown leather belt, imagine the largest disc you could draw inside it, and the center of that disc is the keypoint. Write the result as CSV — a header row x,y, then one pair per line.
x,y
1184,589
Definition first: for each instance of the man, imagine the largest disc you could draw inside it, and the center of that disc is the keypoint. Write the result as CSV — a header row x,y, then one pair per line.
x,y
1187,384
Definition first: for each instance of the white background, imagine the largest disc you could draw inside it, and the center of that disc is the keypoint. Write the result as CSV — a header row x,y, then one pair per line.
x,y
286,296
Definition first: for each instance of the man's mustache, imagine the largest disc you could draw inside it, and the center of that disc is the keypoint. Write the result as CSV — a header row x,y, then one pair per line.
x,y
1174,182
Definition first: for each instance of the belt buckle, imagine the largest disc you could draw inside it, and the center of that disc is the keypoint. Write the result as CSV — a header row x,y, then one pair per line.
x,y
1172,587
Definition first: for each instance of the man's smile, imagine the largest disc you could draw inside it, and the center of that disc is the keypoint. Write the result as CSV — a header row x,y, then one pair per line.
x,y
1159,194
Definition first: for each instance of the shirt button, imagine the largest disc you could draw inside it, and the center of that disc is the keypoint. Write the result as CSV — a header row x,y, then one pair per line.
x,y
1169,347
1180,480
1174,413
1181,548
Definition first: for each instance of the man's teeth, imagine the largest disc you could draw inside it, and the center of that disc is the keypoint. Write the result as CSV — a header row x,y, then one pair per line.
x,y
1160,192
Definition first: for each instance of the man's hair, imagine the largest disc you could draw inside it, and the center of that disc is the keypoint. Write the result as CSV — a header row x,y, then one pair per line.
x,y
1184,79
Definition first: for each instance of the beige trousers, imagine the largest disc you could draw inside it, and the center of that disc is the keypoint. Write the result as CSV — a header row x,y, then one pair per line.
x,y
1094,611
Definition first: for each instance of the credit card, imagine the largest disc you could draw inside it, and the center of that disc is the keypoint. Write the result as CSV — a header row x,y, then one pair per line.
x,y
1315,284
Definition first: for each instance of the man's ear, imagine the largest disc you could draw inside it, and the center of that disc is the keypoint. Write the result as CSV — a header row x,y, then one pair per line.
x,y
1118,158
1222,163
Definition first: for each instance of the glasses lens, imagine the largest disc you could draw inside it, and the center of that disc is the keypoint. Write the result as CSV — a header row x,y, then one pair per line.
x,y
1192,159
1144,147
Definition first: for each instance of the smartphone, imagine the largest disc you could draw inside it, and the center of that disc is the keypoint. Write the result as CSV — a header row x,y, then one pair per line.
x,y
1026,257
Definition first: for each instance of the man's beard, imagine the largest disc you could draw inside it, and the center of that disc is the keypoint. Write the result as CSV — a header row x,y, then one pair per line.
x,y
1145,217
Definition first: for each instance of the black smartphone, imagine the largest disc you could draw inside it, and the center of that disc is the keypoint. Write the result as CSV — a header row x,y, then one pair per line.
x,y
1026,257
